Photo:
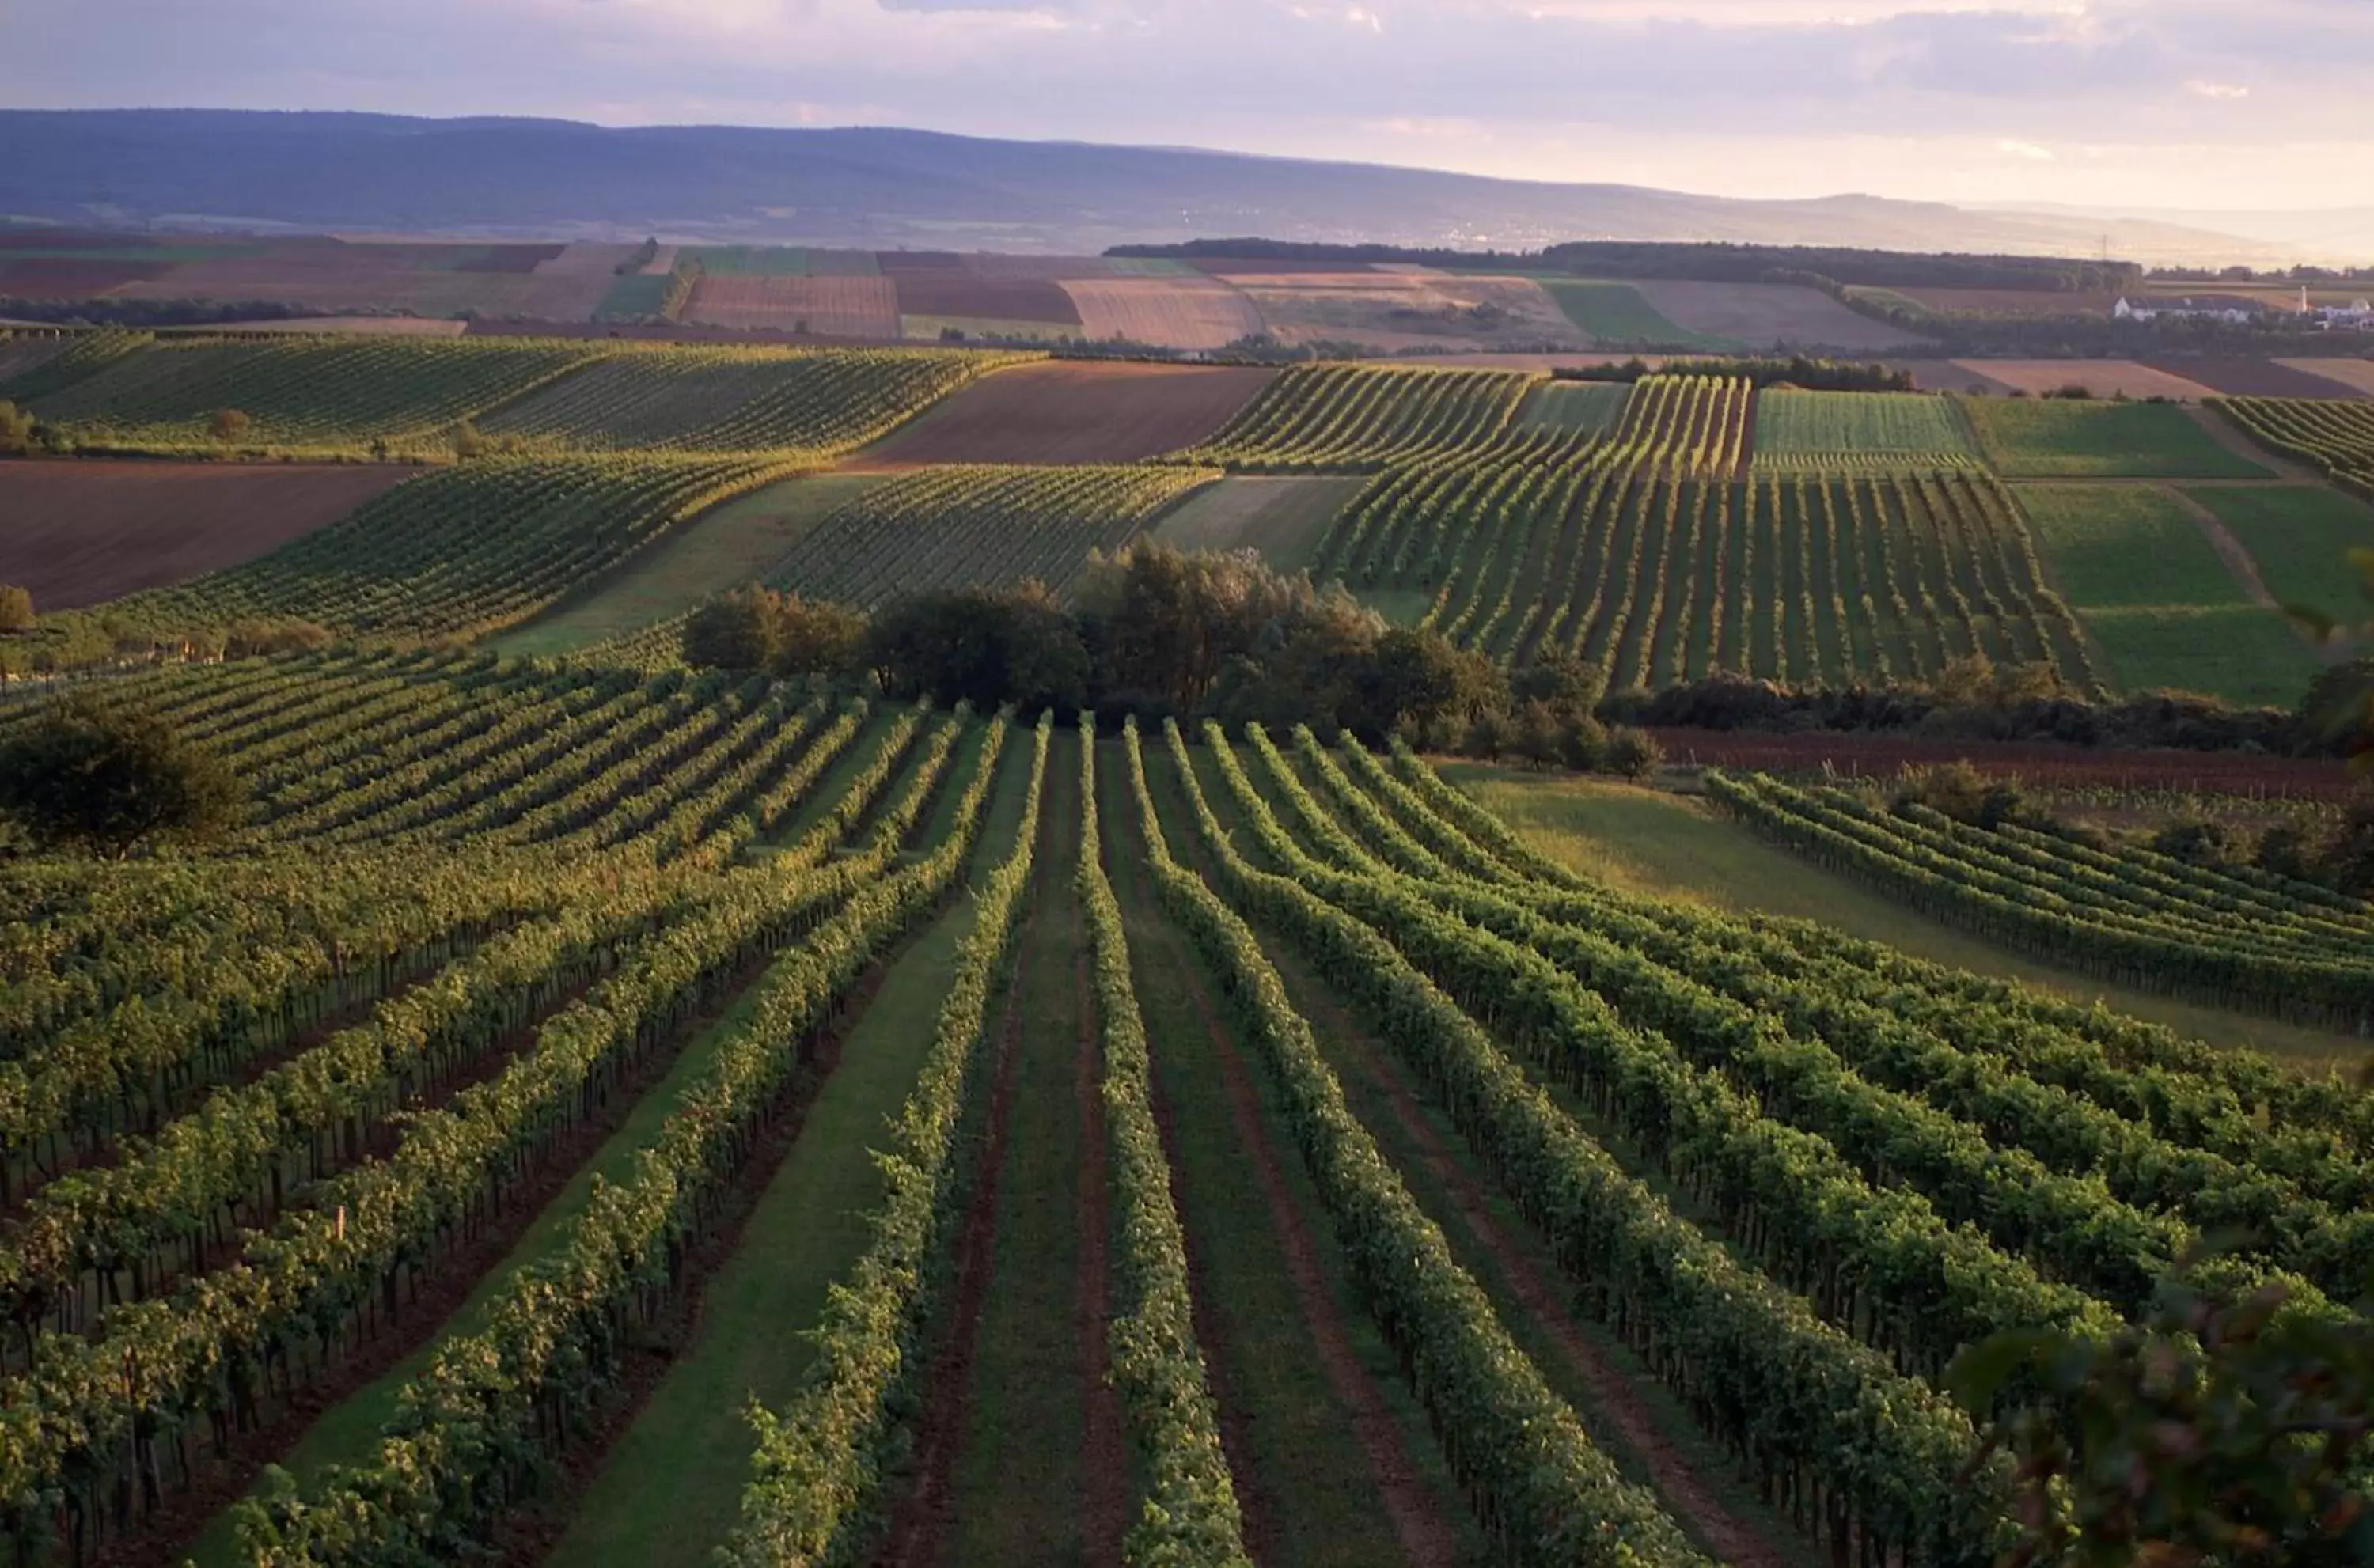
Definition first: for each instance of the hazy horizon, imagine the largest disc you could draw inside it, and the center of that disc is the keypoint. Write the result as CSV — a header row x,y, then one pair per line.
x,y
2193,105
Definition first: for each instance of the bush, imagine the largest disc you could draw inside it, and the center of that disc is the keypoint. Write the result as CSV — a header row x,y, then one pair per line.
x,y
2198,841
1633,754
15,608
108,779
1582,744
228,424
16,429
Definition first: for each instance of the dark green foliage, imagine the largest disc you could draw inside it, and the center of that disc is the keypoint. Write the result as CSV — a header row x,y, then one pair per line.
x,y
2199,841
982,646
1633,754
108,779
2216,1431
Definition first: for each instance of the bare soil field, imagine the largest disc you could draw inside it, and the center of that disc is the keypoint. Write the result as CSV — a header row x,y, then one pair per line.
x,y
2038,763
1236,267
1284,519
1058,412
1046,269
433,280
73,277
2351,375
832,306
2012,301
1176,312
2256,378
961,293
2103,377
1393,311
1948,375
80,533
1767,314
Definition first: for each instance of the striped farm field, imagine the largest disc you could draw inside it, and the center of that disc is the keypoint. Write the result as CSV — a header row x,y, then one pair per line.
x,y
2335,435
825,307
1184,311
1284,1128
973,526
1357,418
1838,429
697,398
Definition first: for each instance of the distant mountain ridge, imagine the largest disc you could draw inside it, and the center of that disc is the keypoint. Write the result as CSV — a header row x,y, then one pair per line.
x,y
494,176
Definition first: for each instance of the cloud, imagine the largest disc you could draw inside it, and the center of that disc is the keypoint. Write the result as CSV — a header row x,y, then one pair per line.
x,y
2033,152
2199,87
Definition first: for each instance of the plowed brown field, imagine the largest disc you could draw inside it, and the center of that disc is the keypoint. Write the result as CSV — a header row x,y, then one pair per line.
x,y
2257,377
2012,301
2103,377
1175,313
1073,411
81,533
2351,376
832,306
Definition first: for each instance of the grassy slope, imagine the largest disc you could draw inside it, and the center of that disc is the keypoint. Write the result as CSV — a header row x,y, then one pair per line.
x,y
1310,1495
1027,1404
1284,517
1788,421
2157,597
737,543
1668,847
2298,535
2067,438
1616,312
671,1488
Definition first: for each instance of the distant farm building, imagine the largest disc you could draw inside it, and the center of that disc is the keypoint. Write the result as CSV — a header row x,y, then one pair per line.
x,y
2231,311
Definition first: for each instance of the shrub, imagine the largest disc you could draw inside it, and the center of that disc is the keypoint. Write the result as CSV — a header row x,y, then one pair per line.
x,y
109,779
1633,754
15,608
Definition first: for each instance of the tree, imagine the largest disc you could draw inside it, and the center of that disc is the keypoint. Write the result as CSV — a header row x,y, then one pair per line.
x,y
987,647
814,636
230,424
467,442
1560,682
733,633
2340,706
16,429
1633,754
2215,1430
110,779
1536,743
15,608
1415,677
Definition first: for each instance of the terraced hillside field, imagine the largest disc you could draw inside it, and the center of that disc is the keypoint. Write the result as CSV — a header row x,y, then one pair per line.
x,y
1314,1172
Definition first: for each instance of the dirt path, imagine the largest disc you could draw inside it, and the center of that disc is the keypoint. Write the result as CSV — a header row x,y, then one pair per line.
x,y
2222,431
1104,1454
924,1521
2229,549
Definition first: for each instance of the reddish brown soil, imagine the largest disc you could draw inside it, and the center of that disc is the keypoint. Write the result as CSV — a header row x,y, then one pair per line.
x,y
2254,378
73,277
1104,1452
81,533
1072,410
962,293
2039,763
831,307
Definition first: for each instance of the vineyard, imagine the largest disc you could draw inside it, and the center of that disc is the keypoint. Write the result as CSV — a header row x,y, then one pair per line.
x,y
1359,418
2337,438
1655,579
1273,1146
458,552
736,400
987,527
2231,936
1827,432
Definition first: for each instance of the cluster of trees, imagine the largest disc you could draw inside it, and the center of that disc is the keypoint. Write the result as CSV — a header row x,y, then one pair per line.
x,y
168,312
1973,700
110,779
20,433
1159,632
1797,370
1694,261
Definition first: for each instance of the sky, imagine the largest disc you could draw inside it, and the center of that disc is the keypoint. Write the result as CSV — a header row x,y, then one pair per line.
x,y
2210,105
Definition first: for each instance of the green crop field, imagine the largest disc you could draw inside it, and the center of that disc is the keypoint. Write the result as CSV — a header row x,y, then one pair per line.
x,y
2074,438
1617,313
2153,593
1810,428
583,1108
2335,437
2298,535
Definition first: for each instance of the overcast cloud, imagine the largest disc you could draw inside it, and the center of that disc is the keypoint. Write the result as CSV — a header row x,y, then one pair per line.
x,y
2199,103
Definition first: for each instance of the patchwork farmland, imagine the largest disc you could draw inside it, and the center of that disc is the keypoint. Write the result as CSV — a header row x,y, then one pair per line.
x,y
608,1097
